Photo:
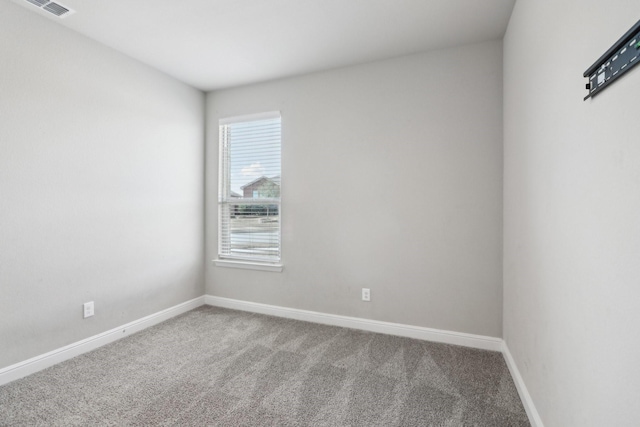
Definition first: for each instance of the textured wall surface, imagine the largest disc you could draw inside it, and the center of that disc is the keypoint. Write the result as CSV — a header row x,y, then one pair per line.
x,y
391,180
101,183
571,210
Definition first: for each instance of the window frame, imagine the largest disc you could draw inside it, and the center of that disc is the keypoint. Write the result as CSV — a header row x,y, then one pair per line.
x,y
224,187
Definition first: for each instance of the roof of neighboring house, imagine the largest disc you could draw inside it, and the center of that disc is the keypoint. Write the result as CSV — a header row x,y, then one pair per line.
x,y
275,180
234,194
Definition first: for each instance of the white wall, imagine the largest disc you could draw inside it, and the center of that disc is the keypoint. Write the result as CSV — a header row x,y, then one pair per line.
x,y
392,180
572,214
101,187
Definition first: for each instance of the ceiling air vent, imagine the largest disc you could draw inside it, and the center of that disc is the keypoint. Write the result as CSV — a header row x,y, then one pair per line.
x,y
52,7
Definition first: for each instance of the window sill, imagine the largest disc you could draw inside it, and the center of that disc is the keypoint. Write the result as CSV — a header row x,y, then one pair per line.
x,y
247,265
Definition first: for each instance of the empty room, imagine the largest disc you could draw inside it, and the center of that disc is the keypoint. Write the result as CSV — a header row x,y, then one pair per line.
x,y
319,213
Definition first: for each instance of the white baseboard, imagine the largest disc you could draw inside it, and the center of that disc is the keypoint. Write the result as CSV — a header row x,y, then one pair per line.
x,y
38,363
527,402
417,332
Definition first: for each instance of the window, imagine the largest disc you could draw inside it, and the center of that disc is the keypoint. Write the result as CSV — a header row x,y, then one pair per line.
x,y
249,188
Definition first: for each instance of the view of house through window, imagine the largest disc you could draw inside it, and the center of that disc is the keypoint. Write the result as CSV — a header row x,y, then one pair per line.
x,y
249,189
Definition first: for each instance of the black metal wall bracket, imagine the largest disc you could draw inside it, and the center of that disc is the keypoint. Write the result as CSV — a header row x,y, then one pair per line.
x,y
620,58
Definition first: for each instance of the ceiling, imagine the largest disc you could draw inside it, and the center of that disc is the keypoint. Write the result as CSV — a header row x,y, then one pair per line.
x,y
214,44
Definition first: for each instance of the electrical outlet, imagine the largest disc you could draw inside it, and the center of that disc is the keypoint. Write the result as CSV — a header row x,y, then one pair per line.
x,y
88,309
366,294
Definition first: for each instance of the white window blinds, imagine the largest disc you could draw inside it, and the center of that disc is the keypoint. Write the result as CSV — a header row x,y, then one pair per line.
x,y
249,188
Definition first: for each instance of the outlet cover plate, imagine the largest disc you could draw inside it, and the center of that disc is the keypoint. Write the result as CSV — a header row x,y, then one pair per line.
x,y
88,309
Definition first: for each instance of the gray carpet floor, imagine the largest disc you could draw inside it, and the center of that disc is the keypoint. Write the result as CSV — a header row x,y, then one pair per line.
x,y
220,367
